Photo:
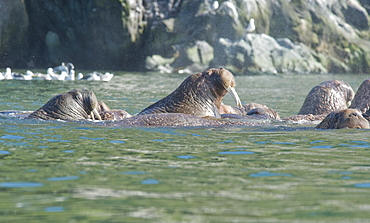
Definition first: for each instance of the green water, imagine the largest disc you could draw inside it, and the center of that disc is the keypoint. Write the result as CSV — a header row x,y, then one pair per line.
x,y
79,172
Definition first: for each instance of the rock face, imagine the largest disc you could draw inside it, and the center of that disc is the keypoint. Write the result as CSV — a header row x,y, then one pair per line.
x,y
188,36
94,34
13,28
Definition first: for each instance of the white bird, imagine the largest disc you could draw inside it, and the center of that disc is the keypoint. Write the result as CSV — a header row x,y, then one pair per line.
x,y
92,76
97,76
71,75
54,76
62,72
80,76
44,76
106,77
251,26
215,5
28,76
8,74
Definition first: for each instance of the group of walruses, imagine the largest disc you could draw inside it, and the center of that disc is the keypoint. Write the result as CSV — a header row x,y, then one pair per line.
x,y
198,102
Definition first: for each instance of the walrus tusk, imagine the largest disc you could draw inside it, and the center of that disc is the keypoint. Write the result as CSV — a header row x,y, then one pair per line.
x,y
95,113
235,95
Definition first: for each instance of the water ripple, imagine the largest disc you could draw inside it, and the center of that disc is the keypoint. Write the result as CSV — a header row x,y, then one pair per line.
x,y
269,174
83,137
236,152
135,172
63,178
117,141
54,209
12,137
322,147
150,181
57,140
186,157
365,185
20,184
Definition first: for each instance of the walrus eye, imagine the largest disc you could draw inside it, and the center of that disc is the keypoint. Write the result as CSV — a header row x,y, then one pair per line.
x,y
79,95
353,114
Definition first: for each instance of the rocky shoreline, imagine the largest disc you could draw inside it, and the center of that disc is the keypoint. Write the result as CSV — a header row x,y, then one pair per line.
x,y
187,36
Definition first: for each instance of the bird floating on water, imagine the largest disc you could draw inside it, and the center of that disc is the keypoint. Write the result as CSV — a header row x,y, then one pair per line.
x,y
96,76
65,71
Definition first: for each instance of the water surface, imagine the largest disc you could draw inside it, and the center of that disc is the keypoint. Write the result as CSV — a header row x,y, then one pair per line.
x,y
54,171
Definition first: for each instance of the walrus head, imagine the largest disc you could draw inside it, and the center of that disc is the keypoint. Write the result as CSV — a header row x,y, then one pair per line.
x,y
200,95
346,118
223,81
76,104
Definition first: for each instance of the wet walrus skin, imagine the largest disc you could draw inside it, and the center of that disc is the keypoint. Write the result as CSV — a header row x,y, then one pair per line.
x,y
251,109
361,100
346,118
111,114
199,95
76,104
327,97
175,120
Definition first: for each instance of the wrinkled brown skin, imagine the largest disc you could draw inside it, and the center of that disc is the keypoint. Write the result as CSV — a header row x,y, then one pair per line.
x,y
327,97
199,95
76,104
308,118
361,100
175,119
346,118
251,109
111,114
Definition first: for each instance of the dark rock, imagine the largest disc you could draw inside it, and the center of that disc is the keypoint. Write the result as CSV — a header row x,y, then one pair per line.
x,y
13,33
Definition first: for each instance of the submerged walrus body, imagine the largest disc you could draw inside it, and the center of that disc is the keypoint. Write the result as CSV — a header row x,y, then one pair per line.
x,y
175,120
111,114
346,118
199,95
76,104
254,110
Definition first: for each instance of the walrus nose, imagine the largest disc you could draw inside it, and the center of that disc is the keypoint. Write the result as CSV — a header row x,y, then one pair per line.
x,y
235,95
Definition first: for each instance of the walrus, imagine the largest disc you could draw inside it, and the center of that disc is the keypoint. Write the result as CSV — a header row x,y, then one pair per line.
x,y
174,120
76,104
111,114
361,100
327,97
200,95
250,109
346,118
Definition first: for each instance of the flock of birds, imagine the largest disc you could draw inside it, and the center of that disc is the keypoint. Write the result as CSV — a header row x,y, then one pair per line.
x,y
65,71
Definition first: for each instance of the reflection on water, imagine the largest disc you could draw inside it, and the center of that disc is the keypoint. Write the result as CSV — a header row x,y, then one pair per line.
x,y
79,172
